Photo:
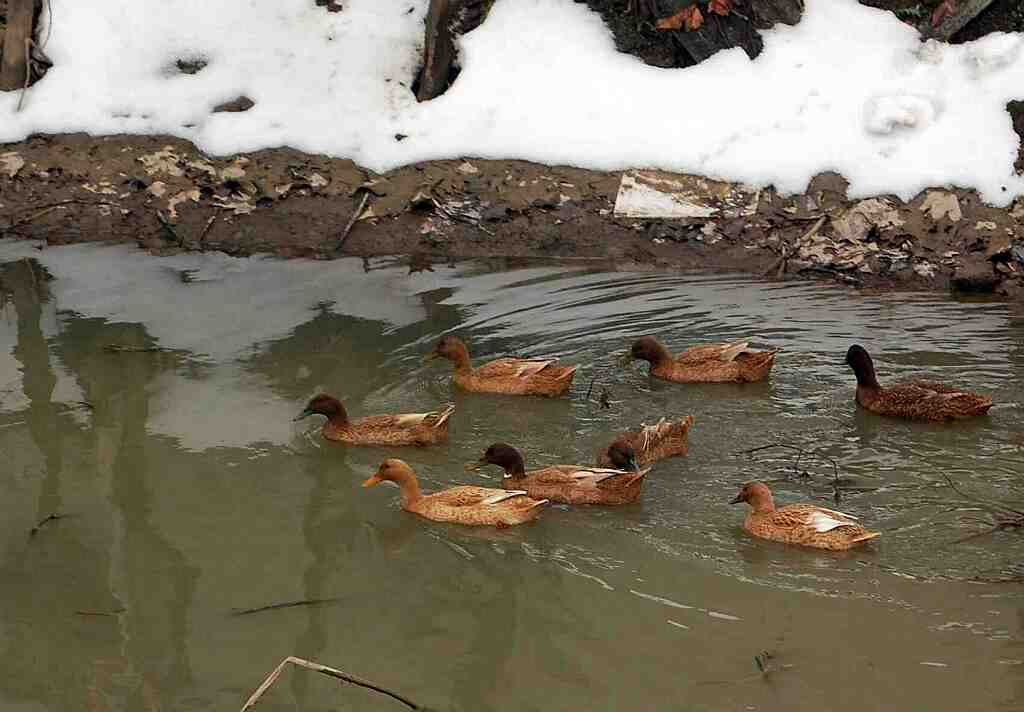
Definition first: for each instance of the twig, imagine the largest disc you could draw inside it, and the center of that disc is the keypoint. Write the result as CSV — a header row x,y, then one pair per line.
x,y
209,224
44,209
117,348
49,518
166,225
590,389
286,604
105,614
981,500
352,221
28,73
330,672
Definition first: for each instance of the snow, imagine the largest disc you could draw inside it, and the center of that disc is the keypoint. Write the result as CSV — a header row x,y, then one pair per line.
x,y
849,89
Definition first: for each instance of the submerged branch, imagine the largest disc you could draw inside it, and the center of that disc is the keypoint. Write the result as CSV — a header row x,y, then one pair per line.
x,y
330,672
49,518
285,604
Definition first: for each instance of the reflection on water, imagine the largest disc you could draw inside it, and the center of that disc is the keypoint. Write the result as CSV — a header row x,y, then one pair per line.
x,y
187,493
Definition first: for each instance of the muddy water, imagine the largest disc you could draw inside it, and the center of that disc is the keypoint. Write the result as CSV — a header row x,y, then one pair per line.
x,y
187,494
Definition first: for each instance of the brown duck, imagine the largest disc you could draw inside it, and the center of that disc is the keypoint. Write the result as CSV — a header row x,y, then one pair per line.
x,y
477,506
916,399
710,363
571,484
666,438
512,376
401,429
803,524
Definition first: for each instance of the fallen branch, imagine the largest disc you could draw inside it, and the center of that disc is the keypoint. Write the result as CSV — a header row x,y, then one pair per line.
x,y
49,518
44,209
352,221
286,604
28,73
323,670
117,348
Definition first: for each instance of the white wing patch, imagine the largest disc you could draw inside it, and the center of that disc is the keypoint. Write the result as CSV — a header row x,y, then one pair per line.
x,y
502,496
409,419
530,367
731,351
822,521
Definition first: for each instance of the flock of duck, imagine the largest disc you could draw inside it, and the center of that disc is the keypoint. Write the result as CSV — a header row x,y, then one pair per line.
x,y
621,468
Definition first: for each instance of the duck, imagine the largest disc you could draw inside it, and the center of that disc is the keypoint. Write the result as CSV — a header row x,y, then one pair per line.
x,y
569,484
803,524
401,429
474,506
710,363
511,376
650,443
916,399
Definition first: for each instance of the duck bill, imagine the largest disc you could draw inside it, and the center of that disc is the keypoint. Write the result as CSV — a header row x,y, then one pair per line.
x,y
737,499
371,481
306,412
474,466
429,357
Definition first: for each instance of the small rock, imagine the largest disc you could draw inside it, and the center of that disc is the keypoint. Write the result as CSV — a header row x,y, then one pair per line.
x,y
467,168
976,277
925,269
241,103
11,163
985,225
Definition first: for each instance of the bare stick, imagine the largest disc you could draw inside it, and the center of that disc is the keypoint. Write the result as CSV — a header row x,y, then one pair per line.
x,y
28,74
209,224
323,670
980,500
286,604
49,518
352,221
44,209
117,348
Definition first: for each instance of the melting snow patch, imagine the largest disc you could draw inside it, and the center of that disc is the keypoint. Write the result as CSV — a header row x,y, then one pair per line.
x,y
849,89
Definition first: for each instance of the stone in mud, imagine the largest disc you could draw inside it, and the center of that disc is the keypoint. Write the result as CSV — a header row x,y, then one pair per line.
x,y
975,276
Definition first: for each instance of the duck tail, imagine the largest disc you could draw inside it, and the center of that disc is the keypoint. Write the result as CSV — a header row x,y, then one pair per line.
x,y
866,536
637,477
568,372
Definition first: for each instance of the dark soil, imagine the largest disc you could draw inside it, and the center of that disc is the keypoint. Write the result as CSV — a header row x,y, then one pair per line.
x,y
165,196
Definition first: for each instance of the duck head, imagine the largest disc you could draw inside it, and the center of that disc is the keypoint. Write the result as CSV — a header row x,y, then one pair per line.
x,y
623,456
451,348
323,404
647,348
504,456
757,495
391,470
863,367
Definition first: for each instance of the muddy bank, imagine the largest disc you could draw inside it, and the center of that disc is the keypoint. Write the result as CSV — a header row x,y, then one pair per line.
x,y
164,195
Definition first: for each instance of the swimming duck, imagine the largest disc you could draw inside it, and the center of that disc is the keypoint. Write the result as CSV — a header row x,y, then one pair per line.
x,y
711,363
803,524
571,484
479,506
401,429
916,399
512,376
666,438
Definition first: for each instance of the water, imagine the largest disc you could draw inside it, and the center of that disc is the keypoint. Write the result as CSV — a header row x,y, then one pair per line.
x,y
188,493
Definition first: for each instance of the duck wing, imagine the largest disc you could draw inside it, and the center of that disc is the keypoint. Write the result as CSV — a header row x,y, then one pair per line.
x,y
712,352
513,368
810,517
469,496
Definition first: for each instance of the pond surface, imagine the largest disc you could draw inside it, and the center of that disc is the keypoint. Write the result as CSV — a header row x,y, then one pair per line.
x,y
187,494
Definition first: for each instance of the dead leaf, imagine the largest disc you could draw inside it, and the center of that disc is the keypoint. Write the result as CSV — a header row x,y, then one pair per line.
x,y
944,10
689,17
720,7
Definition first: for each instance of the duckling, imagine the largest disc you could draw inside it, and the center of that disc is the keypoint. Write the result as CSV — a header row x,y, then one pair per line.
x,y
403,429
803,524
512,376
916,399
476,506
666,438
571,484
711,363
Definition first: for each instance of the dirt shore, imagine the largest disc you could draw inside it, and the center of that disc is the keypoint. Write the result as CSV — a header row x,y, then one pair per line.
x,y
163,194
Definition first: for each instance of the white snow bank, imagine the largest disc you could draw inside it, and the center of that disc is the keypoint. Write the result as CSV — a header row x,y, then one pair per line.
x,y
849,89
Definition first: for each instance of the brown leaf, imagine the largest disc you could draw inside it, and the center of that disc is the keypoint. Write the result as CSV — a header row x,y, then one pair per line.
x,y
689,17
674,22
944,10
720,7
695,20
